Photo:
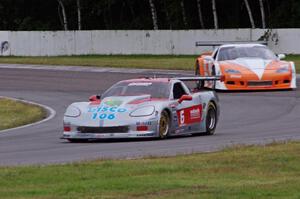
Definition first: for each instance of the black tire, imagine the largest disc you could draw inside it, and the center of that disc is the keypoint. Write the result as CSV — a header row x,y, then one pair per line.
x,y
199,84
213,73
164,125
211,119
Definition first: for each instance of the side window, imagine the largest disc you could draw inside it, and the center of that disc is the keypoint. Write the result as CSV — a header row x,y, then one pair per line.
x,y
215,54
178,90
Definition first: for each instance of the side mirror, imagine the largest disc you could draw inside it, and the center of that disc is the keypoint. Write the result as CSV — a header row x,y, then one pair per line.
x,y
209,58
94,98
281,56
185,98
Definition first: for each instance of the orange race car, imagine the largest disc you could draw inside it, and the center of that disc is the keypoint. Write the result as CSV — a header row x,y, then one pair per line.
x,y
246,67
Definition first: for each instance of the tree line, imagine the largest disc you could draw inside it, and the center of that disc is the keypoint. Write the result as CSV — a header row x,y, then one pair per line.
x,y
147,14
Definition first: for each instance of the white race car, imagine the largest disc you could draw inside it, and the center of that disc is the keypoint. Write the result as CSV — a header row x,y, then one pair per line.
x,y
146,107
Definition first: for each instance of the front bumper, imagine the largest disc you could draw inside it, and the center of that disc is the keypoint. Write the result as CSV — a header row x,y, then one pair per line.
x,y
104,132
276,82
95,136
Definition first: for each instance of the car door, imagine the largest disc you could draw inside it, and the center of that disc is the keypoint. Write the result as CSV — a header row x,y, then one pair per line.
x,y
188,112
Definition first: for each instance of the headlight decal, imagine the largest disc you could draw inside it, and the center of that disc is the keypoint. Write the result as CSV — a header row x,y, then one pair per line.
x,y
72,111
143,111
283,70
232,71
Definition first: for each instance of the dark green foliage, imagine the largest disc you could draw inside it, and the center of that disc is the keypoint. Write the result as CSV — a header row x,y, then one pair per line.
x,y
286,14
135,14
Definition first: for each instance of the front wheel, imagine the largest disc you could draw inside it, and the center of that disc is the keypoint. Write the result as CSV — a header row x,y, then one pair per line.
x,y
211,119
164,125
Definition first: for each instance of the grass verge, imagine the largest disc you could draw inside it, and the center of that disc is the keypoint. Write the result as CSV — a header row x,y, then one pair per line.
x,y
242,172
14,114
296,59
184,62
118,61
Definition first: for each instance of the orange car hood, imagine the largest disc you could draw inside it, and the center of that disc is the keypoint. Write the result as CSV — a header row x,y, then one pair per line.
x,y
252,65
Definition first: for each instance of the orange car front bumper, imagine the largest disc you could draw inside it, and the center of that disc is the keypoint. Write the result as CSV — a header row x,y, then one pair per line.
x,y
270,82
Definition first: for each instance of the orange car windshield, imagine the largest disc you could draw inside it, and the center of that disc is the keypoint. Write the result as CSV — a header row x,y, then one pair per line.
x,y
235,52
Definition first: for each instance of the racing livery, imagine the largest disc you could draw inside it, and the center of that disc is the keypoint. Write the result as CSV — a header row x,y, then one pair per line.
x,y
144,107
246,67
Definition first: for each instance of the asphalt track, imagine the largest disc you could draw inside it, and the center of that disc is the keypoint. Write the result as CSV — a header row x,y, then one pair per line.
x,y
246,118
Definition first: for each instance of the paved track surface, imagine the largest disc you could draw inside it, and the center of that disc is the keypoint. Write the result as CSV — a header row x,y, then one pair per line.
x,y
246,118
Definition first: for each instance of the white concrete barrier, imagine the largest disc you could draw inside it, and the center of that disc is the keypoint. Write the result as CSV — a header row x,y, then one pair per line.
x,y
165,42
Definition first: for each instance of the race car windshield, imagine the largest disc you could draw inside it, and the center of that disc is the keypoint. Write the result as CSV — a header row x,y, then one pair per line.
x,y
232,53
154,89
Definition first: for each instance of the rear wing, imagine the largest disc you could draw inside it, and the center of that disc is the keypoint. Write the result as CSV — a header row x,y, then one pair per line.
x,y
219,43
208,78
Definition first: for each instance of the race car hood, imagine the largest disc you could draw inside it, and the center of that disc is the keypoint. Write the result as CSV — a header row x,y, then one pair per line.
x,y
113,111
252,65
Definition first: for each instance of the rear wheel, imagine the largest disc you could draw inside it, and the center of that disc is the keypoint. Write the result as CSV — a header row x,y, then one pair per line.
x,y
211,119
213,73
164,125
199,84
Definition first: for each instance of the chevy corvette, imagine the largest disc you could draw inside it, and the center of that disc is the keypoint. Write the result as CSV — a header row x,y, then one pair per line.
x,y
144,107
246,67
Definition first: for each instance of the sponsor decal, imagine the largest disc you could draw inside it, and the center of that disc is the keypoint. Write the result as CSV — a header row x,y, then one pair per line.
x,y
175,118
66,136
99,135
235,76
113,102
179,131
173,105
195,113
140,84
145,135
105,112
99,109
189,115
103,116
148,123
81,135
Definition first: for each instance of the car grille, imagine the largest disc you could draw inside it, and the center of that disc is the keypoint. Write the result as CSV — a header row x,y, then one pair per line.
x,y
102,130
260,83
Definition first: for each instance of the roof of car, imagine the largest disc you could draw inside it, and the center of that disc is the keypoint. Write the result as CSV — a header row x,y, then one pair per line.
x,y
150,79
242,45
